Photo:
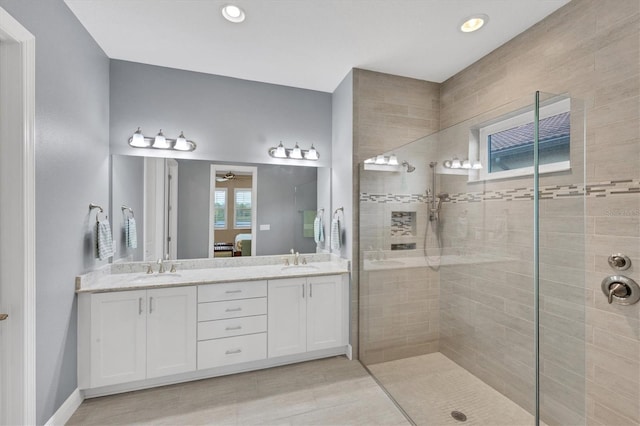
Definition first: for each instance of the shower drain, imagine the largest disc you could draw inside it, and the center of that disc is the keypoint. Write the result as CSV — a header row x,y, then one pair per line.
x,y
459,416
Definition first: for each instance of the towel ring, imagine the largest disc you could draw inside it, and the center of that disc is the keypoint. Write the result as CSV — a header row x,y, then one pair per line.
x,y
129,209
337,210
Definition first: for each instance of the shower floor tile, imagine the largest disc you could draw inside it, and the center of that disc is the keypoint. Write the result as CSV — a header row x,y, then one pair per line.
x,y
429,387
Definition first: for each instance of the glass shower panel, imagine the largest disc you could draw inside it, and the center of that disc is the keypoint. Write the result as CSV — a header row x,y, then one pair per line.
x,y
447,294
562,268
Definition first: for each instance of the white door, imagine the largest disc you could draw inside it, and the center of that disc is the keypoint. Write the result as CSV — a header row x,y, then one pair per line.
x,y
325,322
286,316
171,331
17,223
118,337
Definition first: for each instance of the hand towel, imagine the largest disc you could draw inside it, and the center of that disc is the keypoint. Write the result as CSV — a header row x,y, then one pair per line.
x,y
104,240
335,233
131,233
318,230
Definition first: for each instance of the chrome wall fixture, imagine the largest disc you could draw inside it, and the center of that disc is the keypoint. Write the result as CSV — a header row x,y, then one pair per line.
x,y
295,153
138,140
455,163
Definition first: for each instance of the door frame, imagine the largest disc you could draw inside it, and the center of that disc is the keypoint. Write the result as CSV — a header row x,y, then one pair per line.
x,y
17,222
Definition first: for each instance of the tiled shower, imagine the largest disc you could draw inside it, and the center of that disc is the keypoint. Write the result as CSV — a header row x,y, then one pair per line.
x,y
589,49
469,294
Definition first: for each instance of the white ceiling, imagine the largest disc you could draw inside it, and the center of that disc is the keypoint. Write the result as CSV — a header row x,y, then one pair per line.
x,y
310,44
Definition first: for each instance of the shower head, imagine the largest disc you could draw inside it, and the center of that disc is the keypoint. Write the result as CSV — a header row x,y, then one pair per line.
x,y
409,167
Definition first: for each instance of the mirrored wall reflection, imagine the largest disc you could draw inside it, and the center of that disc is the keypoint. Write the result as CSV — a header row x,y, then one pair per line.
x,y
447,278
173,215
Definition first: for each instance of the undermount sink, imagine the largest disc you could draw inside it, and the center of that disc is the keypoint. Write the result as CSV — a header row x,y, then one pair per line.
x,y
300,268
155,277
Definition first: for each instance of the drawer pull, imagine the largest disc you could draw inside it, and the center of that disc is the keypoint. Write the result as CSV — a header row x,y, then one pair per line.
x,y
237,327
234,351
233,291
233,309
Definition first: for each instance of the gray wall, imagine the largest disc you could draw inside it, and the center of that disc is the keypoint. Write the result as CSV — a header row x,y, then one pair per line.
x,y
277,205
127,183
342,169
72,170
231,120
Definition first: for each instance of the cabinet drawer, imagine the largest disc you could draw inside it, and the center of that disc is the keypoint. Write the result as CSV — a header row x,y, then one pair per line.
x,y
231,291
232,327
232,309
232,350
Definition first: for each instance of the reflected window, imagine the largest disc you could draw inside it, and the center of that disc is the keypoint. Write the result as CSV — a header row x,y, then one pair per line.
x,y
242,208
220,209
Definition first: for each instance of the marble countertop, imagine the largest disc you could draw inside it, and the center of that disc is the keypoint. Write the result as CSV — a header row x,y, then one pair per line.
x,y
104,282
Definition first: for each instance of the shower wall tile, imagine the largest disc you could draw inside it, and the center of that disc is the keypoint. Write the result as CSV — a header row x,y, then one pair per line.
x,y
388,112
591,50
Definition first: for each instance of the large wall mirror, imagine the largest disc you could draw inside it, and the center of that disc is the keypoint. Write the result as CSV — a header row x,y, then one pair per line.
x,y
192,209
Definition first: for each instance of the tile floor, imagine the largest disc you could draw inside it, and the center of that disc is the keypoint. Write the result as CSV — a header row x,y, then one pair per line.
x,y
429,387
330,391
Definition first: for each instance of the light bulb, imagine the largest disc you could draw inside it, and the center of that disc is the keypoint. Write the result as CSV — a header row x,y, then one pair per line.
x,y
160,141
466,164
477,165
181,143
393,160
312,154
137,140
370,160
455,164
296,153
381,160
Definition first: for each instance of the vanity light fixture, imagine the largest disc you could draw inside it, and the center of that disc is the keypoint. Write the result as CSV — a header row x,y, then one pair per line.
x,y
138,140
233,13
295,153
474,23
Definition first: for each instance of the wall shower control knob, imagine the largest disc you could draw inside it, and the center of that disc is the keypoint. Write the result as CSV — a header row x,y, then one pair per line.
x,y
619,261
621,290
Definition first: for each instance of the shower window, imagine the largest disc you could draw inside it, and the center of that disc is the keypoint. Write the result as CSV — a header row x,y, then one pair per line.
x,y
506,145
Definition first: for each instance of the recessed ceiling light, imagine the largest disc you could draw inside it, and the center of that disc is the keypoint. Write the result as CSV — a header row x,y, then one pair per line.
x,y
474,23
233,13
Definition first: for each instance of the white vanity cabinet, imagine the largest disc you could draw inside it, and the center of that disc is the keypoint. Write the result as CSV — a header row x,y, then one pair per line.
x,y
232,323
306,314
126,336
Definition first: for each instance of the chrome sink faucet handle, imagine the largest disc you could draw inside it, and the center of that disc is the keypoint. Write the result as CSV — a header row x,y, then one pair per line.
x,y
149,269
304,260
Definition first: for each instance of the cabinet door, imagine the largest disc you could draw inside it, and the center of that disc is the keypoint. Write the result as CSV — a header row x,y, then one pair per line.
x,y
286,316
171,331
118,342
325,313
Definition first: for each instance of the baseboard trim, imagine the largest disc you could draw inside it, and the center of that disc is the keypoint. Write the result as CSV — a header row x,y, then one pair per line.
x,y
66,410
350,352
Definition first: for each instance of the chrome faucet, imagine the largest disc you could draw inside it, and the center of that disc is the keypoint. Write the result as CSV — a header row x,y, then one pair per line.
x,y
161,270
296,256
